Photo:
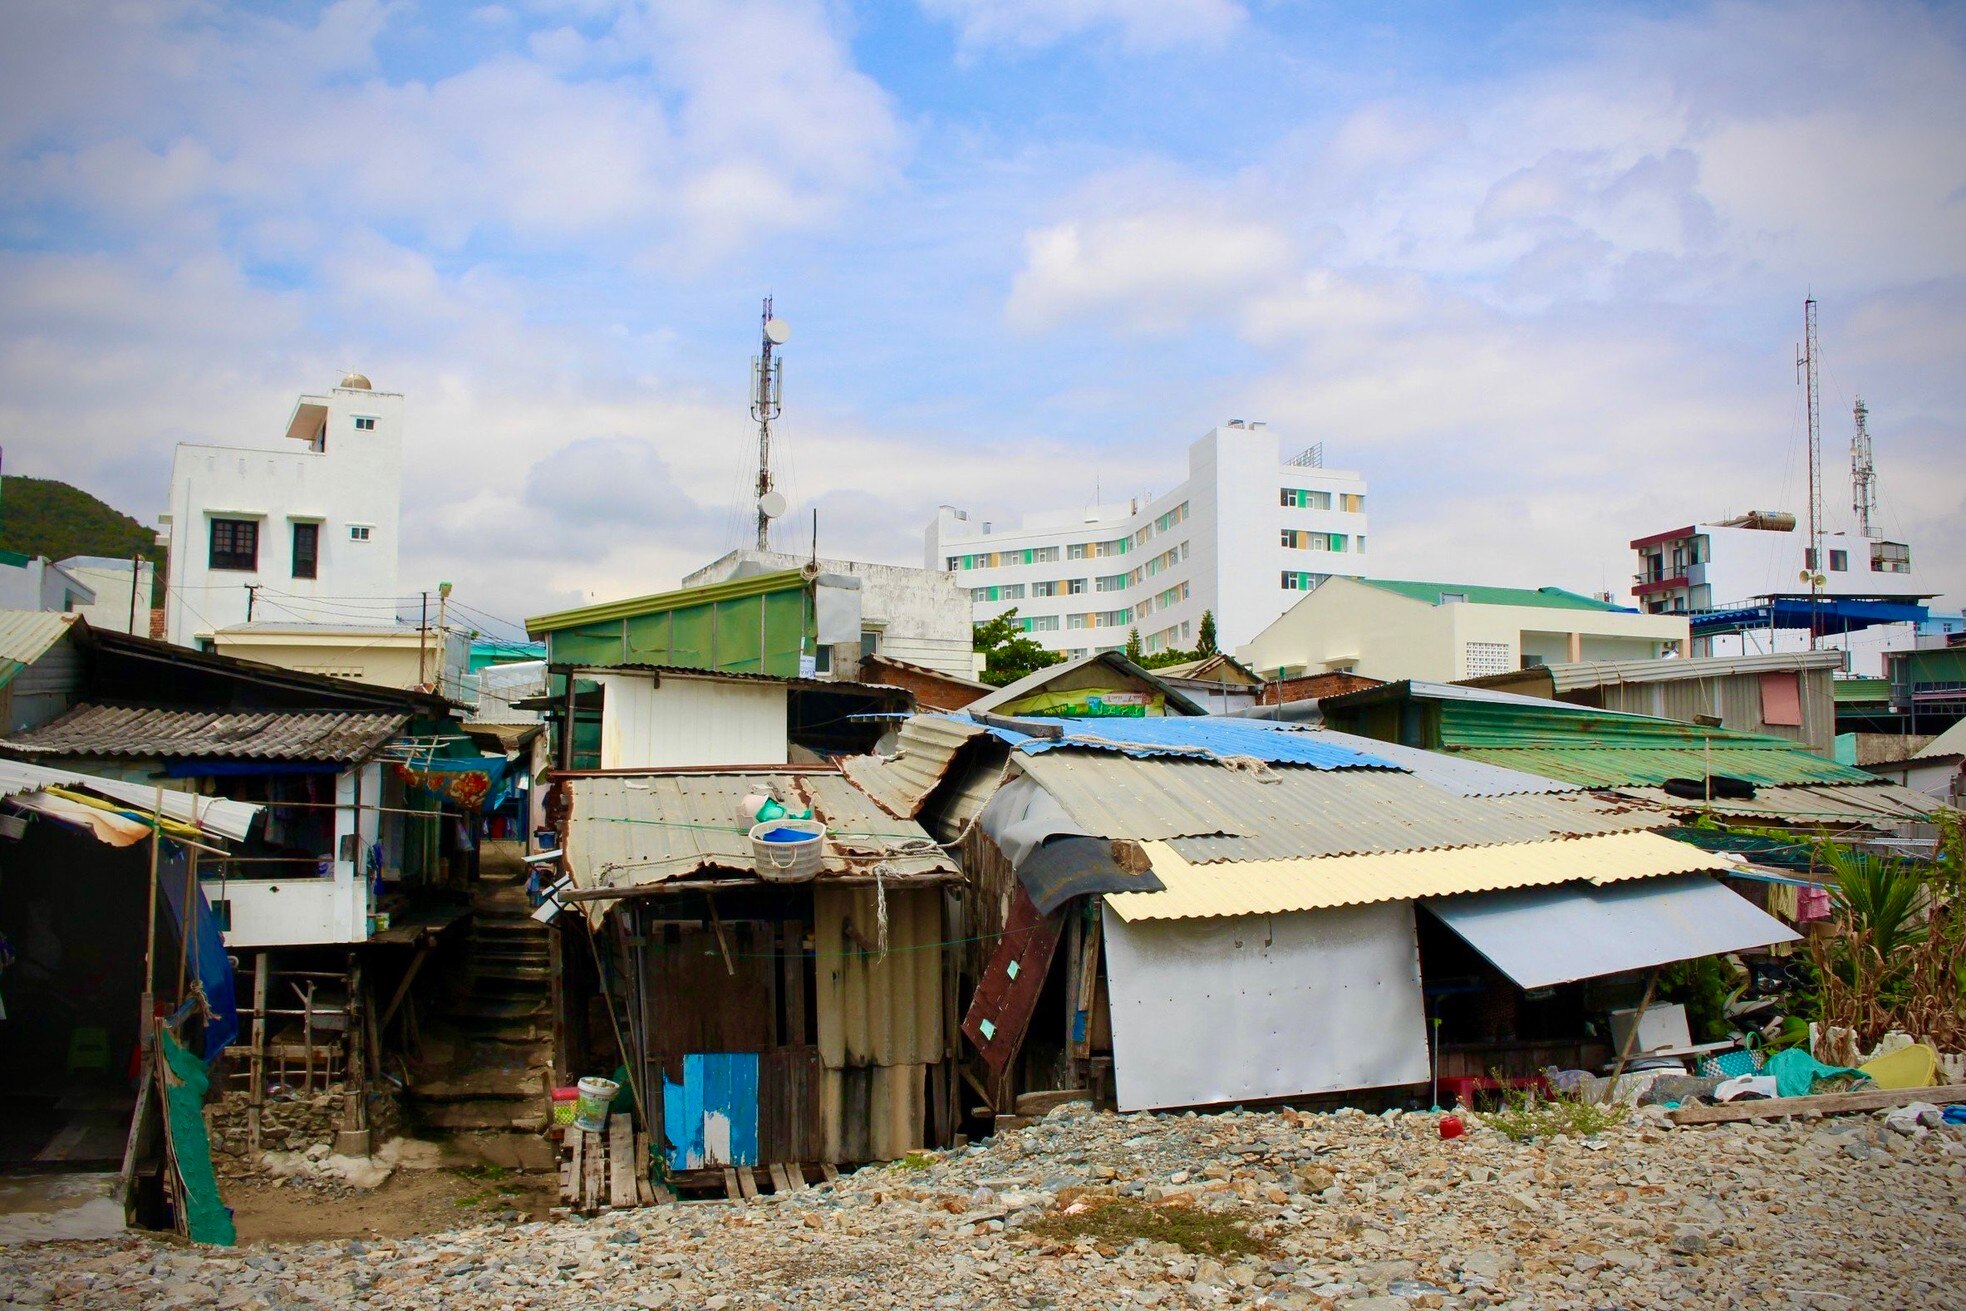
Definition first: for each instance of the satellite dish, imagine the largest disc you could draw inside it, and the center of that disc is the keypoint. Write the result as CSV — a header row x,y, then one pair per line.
x,y
773,504
777,331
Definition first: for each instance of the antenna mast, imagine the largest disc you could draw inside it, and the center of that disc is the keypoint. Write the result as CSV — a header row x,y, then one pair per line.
x,y
767,394
1806,365
1863,474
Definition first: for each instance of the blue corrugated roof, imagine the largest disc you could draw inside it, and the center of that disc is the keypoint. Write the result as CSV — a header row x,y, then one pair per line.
x,y
1195,735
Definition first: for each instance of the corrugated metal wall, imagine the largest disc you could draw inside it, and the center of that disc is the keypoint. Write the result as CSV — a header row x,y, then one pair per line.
x,y
1736,698
881,1019
689,721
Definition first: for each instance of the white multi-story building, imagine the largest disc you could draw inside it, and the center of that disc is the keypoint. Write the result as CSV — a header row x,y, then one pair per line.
x,y
1251,530
1745,583
315,520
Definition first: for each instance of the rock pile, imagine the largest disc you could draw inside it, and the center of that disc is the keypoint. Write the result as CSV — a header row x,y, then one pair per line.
x,y
292,1124
1366,1213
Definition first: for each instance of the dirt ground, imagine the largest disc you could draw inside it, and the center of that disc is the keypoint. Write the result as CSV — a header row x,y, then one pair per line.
x,y
409,1202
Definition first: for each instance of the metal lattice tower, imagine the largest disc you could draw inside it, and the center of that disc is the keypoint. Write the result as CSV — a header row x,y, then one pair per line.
x,y
767,392
1863,474
1806,366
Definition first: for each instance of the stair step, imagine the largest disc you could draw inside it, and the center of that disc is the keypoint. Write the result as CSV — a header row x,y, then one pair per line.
x,y
468,1116
482,1085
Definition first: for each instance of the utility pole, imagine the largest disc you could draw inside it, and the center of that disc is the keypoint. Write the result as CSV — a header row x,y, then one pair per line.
x,y
252,595
422,642
136,577
443,629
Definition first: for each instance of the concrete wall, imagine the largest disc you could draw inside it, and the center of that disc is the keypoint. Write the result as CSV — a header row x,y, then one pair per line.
x,y
40,585
650,722
1345,624
353,482
110,581
383,657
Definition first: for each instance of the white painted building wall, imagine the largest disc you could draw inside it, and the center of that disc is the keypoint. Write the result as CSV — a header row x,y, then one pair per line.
x,y
110,580
38,583
1347,625
301,907
918,615
396,655
657,720
339,466
1217,541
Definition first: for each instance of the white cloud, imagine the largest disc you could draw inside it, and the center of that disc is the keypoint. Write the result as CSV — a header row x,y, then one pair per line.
x,y
1149,272
1142,25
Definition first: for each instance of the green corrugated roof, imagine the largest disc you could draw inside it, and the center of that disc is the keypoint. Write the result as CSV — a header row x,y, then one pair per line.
x,y
1546,598
1861,689
682,598
1606,749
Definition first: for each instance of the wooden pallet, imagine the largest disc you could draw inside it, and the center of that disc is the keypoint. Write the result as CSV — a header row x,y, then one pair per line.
x,y
606,1171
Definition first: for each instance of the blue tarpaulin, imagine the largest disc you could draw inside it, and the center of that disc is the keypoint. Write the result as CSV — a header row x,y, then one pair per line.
x,y
210,964
1828,615
1202,736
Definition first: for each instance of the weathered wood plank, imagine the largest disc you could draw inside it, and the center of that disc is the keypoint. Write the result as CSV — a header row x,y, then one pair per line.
x,y
831,1174
1041,1103
732,1188
593,1181
621,1163
779,1183
1875,1099
576,1165
747,1181
796,1173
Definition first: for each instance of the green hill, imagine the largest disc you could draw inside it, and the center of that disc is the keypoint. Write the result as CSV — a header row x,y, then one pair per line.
x,y
40,516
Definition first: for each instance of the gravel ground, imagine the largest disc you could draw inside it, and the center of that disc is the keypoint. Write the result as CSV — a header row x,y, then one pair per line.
x,y
1363,1212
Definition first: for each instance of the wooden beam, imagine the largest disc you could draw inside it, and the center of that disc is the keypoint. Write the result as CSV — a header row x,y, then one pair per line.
x,y
1876,1099
403,988
747,1182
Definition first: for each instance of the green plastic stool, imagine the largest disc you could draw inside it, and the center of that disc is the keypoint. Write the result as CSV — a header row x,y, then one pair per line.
x,y
88,1049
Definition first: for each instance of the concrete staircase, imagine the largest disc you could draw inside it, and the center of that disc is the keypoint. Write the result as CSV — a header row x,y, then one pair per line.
x,y
486,1061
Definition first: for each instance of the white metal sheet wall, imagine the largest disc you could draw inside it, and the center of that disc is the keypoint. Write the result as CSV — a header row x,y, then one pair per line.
x,y
646,723
1232,1010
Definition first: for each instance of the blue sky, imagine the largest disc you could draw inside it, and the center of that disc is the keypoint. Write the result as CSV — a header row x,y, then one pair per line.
x,y
1535,270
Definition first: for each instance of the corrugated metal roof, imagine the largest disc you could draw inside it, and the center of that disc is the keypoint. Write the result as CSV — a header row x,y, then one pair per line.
x,y
728,590
1880,803
1454,772
924,749
632,830
1952,742
217,816
95,730
1208,737
1606,766
1272,887
1568,676
1216,813
1541,598
1042,678
26,635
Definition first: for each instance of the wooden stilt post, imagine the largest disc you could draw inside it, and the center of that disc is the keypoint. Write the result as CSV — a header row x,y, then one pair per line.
x,y
353,1139
256,1063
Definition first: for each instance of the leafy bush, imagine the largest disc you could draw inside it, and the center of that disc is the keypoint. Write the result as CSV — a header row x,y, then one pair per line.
x,y
1122,1220
1526,1114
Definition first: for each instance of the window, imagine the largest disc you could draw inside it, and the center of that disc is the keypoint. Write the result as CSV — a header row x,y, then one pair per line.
x,y
1300,498
1041,555
1044,589
1890,558
1353,502
307,549
1111,582
1298,539
1839,562
1076,621
358,532
235,544
1293,581
364,423
1038,623
955,563
1079,551
1074,586
870,642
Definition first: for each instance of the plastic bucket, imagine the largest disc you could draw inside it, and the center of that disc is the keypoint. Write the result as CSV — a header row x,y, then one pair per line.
x,y
590,1109
788,860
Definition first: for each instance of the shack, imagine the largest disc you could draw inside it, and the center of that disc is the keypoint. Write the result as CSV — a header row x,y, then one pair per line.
x,y
764,1023
1298,908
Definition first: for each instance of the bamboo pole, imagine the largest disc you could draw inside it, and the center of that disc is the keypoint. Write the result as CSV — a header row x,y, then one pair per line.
x,y
150,937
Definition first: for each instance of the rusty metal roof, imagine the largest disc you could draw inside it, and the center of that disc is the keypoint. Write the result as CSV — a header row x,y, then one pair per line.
x,y
925,748
1212,812
1877,804
1270,887
123,731
634,830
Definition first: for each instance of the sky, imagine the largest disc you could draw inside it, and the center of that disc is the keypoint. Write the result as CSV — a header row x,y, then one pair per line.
x,y
1536,270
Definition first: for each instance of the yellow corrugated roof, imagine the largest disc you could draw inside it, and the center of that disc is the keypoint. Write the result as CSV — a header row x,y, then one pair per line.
x,y
1268,887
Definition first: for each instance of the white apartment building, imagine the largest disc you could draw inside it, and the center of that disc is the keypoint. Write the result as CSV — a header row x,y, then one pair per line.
x,y
1744,584
1252,528
314,520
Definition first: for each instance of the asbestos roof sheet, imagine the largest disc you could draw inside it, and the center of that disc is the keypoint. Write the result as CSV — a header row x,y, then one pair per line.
x,y
1605,765
26,635
1207,737
1570,676
216,816
1455,772
1273,887
1881,803
925,748
95,730
630,831
1213,812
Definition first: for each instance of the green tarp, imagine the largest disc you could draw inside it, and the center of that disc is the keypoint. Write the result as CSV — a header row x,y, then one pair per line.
x,y
207,1219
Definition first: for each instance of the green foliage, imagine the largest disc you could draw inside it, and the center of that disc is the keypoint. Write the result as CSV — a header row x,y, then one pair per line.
x,y
40,516
1133,649
1120,1221
916,1161
1205,642
1881,896
1704,987
1162,659
1525,1114
1008,655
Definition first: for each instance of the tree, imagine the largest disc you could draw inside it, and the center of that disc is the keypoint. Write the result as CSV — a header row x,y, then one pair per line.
x,y
1008,655
1133,648
1205,646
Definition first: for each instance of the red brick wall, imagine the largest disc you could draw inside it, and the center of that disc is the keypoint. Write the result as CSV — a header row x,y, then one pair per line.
x,y
932,692
1312,685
